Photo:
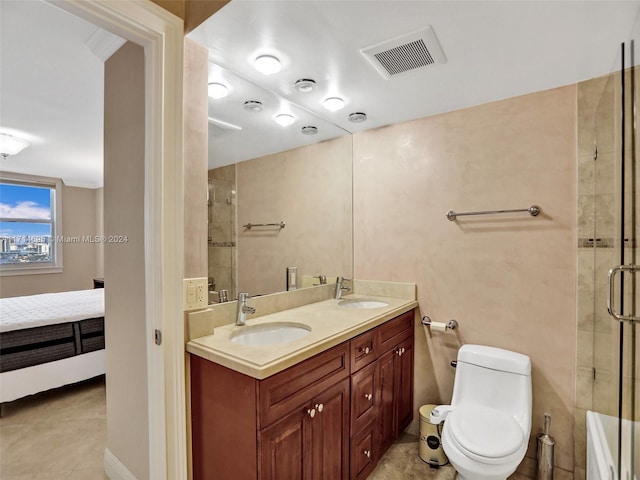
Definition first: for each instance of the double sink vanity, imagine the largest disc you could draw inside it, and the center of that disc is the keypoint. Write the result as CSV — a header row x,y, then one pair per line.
x,y
310,388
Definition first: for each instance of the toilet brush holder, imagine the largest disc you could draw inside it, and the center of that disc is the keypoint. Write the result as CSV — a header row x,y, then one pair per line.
x,y
546,445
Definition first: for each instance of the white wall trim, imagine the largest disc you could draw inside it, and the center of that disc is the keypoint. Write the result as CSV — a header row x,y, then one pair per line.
x,y
114,468
162,36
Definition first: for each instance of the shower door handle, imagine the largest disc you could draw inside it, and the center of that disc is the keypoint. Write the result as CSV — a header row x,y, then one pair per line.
x,y
610,300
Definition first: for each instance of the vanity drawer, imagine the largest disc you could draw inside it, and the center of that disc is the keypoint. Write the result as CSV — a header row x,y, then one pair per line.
x,y
290,389
363,350
364,452
364,397
394,331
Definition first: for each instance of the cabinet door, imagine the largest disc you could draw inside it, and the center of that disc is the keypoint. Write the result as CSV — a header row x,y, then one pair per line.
x,y
396,392
387,423
329,453
364,452
404,385
282,447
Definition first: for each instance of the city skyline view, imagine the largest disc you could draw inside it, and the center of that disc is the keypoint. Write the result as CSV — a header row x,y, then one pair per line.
x,y
25,223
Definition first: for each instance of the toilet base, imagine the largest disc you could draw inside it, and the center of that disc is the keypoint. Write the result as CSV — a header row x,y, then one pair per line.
x,y
462,477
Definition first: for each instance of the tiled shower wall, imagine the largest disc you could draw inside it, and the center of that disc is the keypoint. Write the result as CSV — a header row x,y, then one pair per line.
x,y
594,328
222,228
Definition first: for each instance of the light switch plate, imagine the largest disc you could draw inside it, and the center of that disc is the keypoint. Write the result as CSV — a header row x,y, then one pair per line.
x,y
195,293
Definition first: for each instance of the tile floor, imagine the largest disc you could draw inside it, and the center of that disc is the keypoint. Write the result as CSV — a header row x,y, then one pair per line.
x,y
402,461
61,435
55,435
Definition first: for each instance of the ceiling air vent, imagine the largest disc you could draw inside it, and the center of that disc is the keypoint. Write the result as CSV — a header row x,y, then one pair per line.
x,y
405,53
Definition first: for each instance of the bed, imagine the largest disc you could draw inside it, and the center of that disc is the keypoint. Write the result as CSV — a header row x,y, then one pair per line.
x,y
50,340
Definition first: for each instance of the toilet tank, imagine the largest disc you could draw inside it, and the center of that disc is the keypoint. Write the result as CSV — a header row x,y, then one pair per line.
x,y
495,378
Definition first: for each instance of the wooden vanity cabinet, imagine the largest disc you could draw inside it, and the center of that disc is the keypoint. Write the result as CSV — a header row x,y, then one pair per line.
x,y
381,391
329,417
292,425
306,445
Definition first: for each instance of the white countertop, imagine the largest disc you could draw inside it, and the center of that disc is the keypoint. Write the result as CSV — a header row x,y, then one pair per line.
x,y
330,325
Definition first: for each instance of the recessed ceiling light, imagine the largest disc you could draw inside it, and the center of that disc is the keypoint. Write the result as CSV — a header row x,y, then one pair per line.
x,y
218,90
333,104
357,117
267,64
284,119
253,106
309,130
305,85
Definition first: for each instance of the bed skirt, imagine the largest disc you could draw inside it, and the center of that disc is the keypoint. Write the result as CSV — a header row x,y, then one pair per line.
x,y
39,378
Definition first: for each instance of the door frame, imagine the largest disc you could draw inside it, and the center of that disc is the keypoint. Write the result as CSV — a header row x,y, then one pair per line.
x,y
162,36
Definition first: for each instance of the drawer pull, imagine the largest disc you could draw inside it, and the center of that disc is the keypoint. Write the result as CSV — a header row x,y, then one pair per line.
x,y
311,412
367,453
368,396
366,350
319,407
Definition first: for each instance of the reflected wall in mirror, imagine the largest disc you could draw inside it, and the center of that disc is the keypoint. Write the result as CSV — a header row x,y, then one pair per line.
x,y
309,189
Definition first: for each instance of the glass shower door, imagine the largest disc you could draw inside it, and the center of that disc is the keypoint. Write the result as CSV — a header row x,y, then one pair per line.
x,y
616,233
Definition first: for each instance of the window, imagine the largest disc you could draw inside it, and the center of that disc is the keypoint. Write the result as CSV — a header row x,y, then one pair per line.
x,y
29,214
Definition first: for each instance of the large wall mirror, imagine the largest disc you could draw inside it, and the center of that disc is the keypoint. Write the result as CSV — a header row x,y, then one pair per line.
x,y
280,195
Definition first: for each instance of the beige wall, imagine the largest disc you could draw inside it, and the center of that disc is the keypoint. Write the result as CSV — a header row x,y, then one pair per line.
x,y
124,268
196,132
79,213
99,195
510,281
309,188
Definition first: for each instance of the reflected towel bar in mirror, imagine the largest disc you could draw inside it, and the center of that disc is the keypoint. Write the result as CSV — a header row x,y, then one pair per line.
x,y
249,226
533,210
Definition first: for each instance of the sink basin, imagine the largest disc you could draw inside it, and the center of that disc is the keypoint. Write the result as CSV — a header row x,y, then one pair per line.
x,y
362,303
270,334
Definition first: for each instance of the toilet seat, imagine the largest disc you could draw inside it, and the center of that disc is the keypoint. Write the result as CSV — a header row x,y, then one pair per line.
x,y
484,434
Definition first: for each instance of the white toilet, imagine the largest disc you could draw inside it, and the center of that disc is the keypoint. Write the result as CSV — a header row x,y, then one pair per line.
x,y
488,423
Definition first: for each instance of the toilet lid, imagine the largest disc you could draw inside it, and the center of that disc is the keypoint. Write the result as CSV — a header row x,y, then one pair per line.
x,y
484,431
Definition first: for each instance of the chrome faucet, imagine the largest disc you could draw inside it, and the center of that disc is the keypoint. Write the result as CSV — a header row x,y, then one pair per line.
x,y
340,287
243,309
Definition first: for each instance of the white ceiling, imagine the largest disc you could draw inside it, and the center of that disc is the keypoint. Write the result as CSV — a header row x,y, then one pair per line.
x,y
51,93
51,82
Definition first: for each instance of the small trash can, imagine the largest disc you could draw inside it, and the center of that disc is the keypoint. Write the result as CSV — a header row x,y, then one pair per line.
x,y
430,444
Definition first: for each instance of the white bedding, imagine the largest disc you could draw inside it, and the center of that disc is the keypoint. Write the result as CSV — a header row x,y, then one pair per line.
x,y
50,308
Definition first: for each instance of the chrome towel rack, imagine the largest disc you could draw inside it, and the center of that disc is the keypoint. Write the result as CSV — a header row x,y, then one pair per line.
x,y
533,210
249,226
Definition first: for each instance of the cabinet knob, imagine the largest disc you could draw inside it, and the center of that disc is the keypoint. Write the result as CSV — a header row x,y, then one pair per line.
x,y
311,412
366,350
367,453
368,396
319,407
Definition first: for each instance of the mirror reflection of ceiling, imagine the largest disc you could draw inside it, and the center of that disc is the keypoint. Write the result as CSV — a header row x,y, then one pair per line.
x,y
237,134
491,50
51,83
